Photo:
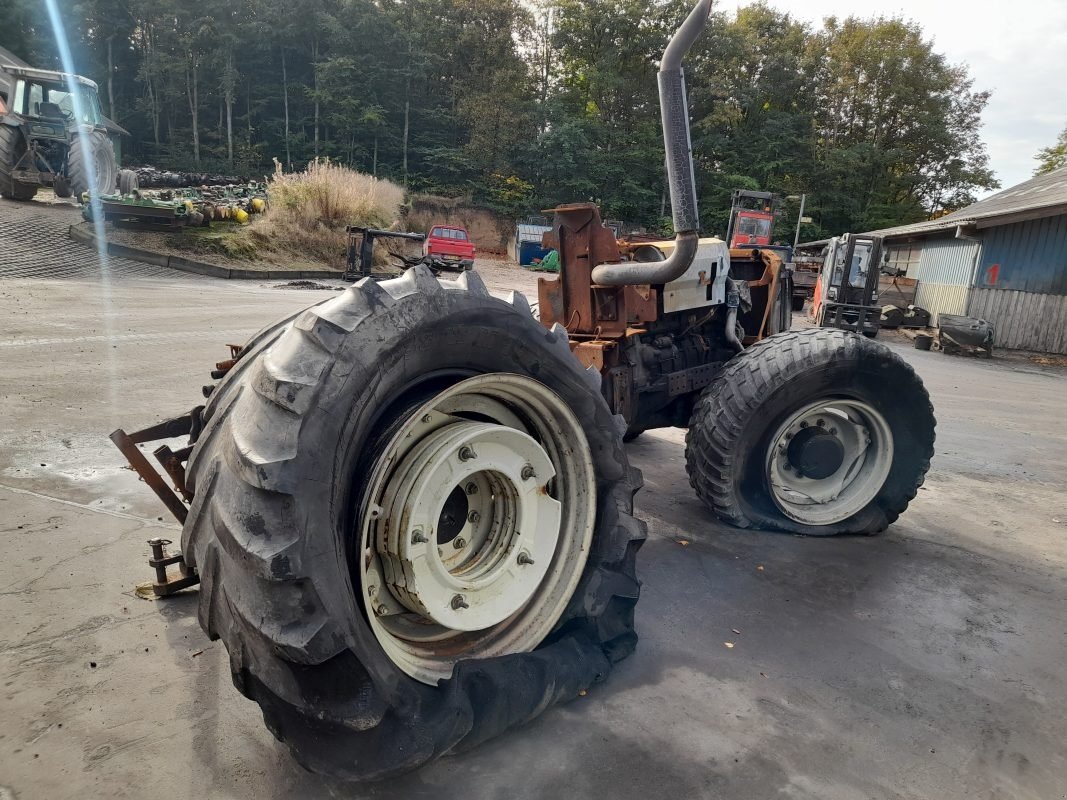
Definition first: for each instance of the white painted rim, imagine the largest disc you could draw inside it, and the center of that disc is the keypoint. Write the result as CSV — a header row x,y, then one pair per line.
x,y
867,442
477,525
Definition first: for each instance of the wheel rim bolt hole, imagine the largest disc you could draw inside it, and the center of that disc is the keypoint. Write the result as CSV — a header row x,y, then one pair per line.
x,y
459,602
466,453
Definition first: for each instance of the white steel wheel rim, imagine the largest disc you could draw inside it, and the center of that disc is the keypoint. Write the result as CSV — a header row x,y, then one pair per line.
x,y
865,443
476,526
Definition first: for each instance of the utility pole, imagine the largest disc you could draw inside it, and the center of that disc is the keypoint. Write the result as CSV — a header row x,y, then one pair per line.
x,y
800,216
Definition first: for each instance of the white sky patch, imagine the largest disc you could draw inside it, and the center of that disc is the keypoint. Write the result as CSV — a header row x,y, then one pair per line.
x,y
1016,49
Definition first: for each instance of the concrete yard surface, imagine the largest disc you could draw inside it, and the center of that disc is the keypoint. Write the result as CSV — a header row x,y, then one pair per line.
x,y
926,662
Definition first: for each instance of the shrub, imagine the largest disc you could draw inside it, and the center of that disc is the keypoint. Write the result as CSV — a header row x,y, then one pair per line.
x,y
309,210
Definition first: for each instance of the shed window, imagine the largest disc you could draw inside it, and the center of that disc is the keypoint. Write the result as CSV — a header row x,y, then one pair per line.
x,y
904,258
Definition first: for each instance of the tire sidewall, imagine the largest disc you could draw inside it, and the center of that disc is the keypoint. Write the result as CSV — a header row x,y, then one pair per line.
x,y
421,336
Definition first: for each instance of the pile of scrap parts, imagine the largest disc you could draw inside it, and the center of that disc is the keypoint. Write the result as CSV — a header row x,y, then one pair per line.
x,y
180,207
967,336
910,317
153,178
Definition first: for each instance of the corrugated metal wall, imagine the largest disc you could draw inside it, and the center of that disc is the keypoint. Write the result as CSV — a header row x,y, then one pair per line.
x,y
1023,320
1026,257
944,272
941,298
948,261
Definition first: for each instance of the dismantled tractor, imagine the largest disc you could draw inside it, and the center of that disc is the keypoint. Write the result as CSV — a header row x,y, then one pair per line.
x,y
409,507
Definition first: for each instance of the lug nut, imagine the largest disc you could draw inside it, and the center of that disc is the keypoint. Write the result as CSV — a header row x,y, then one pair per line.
x,y
821,423
474,517
524,559
372,590
459,543
426,418
804,424
528,472
472,488
458,602
466,453
833,431
417,536
381,610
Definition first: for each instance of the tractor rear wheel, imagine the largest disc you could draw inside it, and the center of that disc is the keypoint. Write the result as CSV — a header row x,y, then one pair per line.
x,y
12,147
817,432
93,151
412,519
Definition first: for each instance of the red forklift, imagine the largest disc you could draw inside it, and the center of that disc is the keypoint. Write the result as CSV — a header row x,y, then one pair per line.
x,y
846,294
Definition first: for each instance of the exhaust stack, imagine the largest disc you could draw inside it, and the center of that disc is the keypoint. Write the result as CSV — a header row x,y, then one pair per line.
x,y
675,118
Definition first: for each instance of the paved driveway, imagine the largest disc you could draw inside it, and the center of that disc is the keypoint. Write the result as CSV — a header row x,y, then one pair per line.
x,y
926,662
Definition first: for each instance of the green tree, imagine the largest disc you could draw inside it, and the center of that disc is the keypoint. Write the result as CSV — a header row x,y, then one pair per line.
x,y
1053,157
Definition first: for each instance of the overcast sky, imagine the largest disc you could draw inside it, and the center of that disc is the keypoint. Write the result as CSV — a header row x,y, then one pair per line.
x,y
1017,49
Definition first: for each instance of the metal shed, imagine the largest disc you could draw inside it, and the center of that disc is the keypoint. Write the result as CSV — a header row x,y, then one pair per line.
x,y
1003,259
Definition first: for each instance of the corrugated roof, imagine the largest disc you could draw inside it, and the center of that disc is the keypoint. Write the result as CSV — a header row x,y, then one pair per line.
x,y
9,59
1044,193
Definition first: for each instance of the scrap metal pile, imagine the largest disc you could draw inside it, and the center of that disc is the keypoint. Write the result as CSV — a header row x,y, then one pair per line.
x,y
153,178
196,207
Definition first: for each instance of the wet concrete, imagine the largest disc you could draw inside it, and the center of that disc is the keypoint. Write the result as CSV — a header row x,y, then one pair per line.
x,y
926,662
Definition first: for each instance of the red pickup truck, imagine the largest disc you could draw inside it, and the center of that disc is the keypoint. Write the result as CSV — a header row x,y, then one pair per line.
x,y
450,246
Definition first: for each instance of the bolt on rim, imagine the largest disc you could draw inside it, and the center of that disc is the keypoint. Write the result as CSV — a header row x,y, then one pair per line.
x,y
828,460
477,524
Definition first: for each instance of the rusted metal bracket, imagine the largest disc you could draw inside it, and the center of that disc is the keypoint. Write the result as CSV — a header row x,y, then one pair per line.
x,y
173,462
165,585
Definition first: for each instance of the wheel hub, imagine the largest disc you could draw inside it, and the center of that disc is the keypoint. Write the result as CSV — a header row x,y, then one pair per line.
x,y
476,524
816,453
491,566
828,460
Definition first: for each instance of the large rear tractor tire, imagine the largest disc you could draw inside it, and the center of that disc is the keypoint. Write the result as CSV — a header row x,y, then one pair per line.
x,y
12,147
96,147
413,522
816,431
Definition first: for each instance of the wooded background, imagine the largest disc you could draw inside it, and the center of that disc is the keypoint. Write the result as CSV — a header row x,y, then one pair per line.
x,y
524,106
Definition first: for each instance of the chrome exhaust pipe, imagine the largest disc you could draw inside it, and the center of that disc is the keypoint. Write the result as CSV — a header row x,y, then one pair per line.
x,y
674,114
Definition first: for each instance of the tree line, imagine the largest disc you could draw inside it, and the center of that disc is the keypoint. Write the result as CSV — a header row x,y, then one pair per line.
x,y
523,105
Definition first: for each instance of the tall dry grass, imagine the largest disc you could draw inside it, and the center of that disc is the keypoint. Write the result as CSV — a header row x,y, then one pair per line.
x,y
309,210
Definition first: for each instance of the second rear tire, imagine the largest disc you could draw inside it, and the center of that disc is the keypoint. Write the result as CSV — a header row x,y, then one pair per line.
x,y
91,165
816,431
12,147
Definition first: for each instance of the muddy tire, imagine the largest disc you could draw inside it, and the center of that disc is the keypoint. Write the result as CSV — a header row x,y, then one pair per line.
x,y
128,182
284,475
96,146
12,147
817,432
61,187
